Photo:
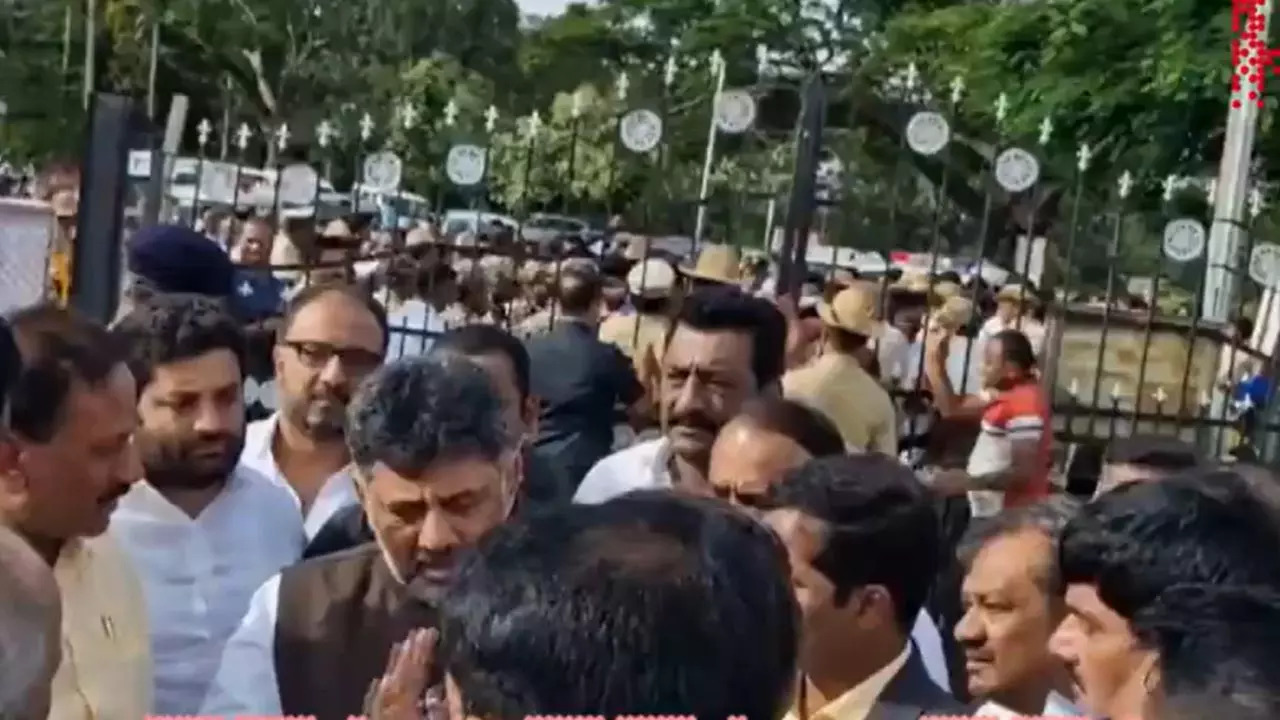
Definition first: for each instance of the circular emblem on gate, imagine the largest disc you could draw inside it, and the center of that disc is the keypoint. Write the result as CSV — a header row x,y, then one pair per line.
x,y
1184,239
928,133
299,184
735,111
465,164
383,171
1017,170
1264,265
640,130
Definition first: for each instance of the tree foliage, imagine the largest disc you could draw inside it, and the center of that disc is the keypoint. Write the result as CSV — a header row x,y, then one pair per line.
x,y
1144,83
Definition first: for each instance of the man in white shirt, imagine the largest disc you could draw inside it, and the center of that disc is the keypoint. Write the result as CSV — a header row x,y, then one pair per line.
x,y
419,319
726,348
1013,306
331,338
203,533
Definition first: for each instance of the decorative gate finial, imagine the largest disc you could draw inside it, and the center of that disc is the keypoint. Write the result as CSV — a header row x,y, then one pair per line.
x,y
243,133
366,127
1083,157
408,115
1046,130
325,132
1256,202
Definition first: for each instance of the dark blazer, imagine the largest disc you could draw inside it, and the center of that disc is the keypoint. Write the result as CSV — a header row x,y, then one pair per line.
x,y
911,695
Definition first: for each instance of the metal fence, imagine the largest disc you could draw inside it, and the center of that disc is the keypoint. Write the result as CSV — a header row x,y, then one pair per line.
x,y
823,175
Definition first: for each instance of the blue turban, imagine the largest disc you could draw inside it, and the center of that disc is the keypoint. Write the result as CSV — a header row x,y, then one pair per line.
x,y
175,259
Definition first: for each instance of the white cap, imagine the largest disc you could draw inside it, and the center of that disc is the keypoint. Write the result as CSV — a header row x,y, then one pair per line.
x,y
652,278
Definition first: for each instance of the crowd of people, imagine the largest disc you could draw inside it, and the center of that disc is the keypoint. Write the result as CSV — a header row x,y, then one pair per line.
x,y
641,487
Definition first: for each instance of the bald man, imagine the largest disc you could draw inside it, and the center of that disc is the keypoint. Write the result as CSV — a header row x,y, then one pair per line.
x,y
30,618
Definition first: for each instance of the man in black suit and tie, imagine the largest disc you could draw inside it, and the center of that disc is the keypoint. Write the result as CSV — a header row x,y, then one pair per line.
x,y
863,542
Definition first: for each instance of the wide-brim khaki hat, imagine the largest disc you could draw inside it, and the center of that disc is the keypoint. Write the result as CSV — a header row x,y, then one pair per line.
x,y
1017,293
717,264
955,313
852,310
651,279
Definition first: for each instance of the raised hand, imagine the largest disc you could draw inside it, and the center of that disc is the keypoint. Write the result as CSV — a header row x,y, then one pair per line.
x,y
399,693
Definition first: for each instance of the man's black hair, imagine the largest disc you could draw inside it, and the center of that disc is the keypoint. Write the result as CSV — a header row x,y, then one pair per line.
x,y
170,328
721,308
481,339
1016,349
59,348
1048,517
1196,528
354,293
1216,641
1161,452
880,526
650,604
796,421
579,287
420,410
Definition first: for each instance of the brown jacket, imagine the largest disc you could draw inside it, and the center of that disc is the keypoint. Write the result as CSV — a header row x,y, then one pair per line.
x,y
339,616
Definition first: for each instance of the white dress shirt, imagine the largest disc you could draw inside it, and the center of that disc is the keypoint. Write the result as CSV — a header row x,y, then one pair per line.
x,y
414,326
245,683
644,466
1055,706
337,492
199,573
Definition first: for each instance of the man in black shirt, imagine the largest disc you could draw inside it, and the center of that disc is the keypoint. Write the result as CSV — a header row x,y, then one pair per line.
x,y
504,358
580,380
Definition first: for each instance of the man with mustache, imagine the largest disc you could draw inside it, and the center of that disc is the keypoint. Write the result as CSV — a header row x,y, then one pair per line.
x,y
66,458
331,338
726,347
1123,551
203,530
437,469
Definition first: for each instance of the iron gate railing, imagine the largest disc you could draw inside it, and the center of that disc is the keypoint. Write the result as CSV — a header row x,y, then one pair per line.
x,y
902,170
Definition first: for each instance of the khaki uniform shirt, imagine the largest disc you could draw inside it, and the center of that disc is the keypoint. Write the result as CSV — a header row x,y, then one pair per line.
x,y
840,388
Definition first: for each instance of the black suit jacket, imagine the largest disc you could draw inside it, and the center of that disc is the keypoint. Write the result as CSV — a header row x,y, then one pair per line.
x,y
911,694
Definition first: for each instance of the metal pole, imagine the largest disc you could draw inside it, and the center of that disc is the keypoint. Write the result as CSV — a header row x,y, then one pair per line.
x,y
768,225
1226,234
153,70
66,46
90,49
803,201
710,156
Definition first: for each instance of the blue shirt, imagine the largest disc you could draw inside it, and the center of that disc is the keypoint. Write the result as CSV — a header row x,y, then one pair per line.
x,y
257,294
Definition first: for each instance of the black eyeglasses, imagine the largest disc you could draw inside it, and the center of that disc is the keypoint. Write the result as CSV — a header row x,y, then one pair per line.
x,y
316,355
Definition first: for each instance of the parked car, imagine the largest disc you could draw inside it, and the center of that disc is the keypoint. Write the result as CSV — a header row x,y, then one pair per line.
x,y
456,222
543,227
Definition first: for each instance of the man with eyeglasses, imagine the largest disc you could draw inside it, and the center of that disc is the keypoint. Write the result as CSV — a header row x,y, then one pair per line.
x,y
330,339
